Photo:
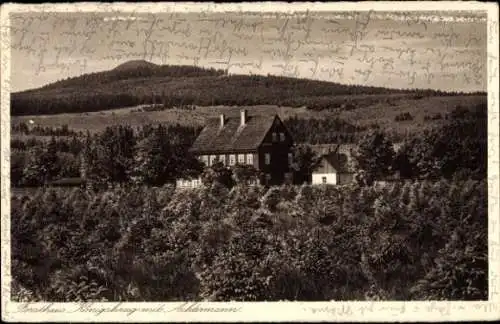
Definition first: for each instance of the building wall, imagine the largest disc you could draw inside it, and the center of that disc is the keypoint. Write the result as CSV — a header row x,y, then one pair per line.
x,y
331,178
345,178
277,143
224,157
188,183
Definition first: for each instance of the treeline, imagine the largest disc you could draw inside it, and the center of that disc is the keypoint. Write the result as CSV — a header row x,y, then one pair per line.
x,y
73,144
119,154
171,86
457,149
322,131
134,70
155,156
159,154
23,128
418,240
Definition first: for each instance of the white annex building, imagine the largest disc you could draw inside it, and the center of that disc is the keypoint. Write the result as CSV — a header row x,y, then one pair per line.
x,y
332,169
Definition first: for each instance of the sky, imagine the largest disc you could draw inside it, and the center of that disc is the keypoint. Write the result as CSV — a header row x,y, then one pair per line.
x,y
445,51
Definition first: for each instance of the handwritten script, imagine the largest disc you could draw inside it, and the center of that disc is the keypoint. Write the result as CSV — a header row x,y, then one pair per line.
x,y
402,50
332,310
102,308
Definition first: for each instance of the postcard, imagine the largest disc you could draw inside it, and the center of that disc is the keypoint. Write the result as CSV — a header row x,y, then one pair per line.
x,y
250,162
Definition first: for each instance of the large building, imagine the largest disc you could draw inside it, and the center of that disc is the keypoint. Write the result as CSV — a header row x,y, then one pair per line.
x,y
261,141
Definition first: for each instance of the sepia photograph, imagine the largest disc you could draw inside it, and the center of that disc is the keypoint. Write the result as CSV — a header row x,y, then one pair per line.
x,y
256,154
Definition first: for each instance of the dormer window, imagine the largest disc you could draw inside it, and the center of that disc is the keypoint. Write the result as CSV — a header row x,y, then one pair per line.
x,y
275,137
282,137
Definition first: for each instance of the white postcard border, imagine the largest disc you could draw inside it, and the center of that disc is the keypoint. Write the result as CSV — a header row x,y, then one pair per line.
x,y
261,311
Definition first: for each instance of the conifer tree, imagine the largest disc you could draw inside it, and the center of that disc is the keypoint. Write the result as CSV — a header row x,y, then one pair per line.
x,y
375,155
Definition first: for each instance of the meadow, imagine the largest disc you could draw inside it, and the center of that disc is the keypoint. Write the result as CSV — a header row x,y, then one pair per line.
x,y
382,113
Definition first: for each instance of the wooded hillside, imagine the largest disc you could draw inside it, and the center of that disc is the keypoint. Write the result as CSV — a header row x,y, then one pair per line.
x,y
140,82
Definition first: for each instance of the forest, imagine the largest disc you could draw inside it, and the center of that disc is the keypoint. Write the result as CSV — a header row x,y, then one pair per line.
x,y
160,153
137,83
411,226
415,240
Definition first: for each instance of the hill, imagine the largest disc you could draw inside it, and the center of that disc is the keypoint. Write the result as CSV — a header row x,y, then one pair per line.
x,y
141,82
134,65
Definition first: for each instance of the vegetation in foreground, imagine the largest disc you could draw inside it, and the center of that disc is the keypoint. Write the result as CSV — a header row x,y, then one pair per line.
x,y
418,240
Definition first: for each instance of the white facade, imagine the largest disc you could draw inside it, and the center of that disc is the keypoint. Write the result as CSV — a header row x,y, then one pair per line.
x,y
324,178
188,183
250,159
241,158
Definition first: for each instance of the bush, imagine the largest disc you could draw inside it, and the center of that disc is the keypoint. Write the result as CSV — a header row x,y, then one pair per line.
x,y
412,240
403,117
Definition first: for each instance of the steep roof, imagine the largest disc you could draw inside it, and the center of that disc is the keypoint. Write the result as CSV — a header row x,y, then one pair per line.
x,y
338,161
232,137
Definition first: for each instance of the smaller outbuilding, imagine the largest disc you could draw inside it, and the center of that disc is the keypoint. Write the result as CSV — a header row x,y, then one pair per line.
x,y
334,169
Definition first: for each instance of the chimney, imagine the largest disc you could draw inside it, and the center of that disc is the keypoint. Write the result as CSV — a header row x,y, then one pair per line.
x,y
243,115
222,120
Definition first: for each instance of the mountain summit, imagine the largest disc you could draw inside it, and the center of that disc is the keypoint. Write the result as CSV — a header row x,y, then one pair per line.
x,y
135,64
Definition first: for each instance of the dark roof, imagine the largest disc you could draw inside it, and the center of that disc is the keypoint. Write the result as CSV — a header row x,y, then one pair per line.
x,y
339,161
232,137
323,149
75,181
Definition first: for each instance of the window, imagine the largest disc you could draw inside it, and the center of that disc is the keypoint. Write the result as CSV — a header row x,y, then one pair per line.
x,y
268,178
204,159
222,158
324,179
250,159
282,137
212,159
232,159
241,158
275,137
267,158
290,159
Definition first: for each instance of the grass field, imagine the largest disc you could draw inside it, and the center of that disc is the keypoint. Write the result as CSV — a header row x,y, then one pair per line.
x,y
380,113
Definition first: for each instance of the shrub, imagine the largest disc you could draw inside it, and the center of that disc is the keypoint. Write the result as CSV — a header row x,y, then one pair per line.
x,y
402,240
403,117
